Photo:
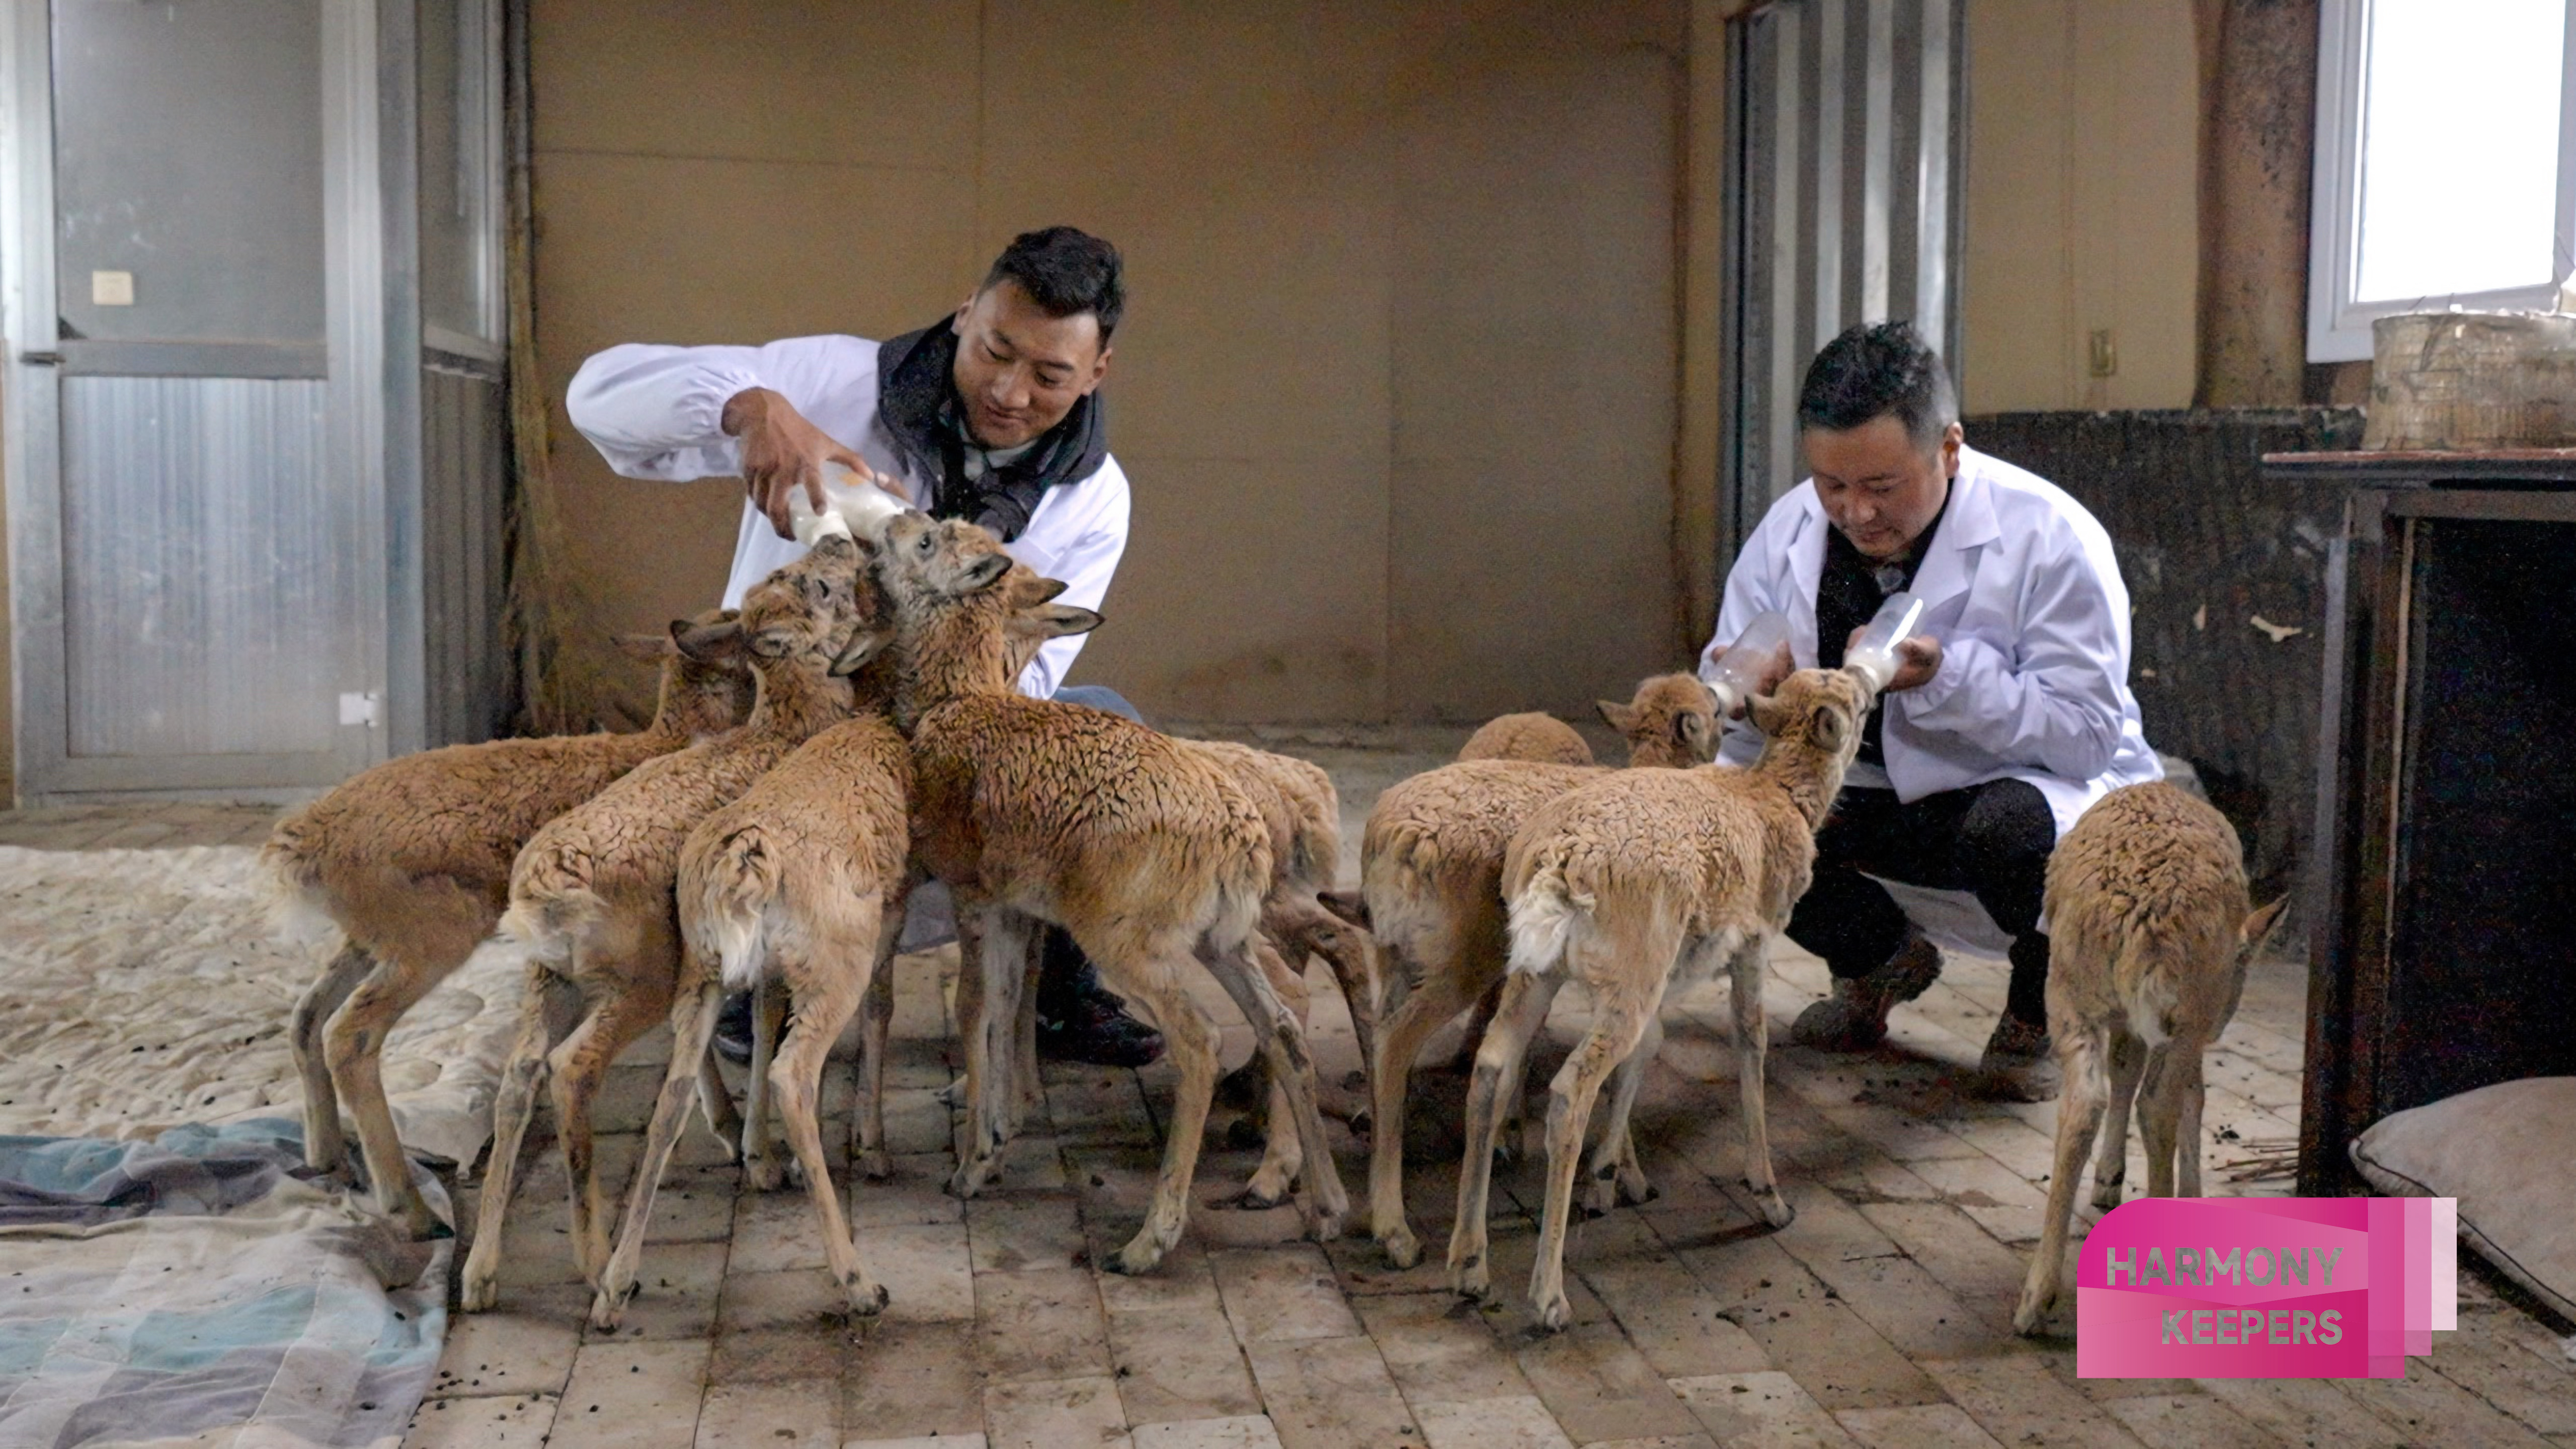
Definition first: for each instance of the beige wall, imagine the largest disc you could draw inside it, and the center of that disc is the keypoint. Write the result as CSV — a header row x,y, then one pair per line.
x,y
2083,203
1398,386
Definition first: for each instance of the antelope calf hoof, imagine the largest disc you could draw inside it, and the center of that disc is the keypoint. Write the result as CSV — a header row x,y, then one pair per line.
x,y
1323,1227
969,1179
764,1174
867,1300
1554,1313
2106,1195
607,1309
481,1291
1775,1208
1471,1279
1403,1249
1138,1257
2033,1310
432,1231
1253,1199
876,1164
952,1095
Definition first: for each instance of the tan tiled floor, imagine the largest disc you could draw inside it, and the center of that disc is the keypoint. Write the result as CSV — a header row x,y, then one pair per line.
x,y
1879,1317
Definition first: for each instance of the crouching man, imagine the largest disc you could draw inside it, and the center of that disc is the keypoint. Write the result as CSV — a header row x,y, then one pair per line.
x,y
2010,712
991,415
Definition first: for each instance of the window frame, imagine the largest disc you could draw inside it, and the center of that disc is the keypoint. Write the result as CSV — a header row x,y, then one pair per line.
x,y
2339,324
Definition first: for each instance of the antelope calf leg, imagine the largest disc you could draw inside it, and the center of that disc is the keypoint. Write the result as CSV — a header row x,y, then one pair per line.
x,y
325,1149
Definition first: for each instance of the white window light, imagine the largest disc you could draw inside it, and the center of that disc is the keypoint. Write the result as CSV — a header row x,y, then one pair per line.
x,y
2445,162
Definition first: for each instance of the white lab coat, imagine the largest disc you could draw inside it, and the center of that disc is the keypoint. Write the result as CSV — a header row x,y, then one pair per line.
x,y
653,412
2021,588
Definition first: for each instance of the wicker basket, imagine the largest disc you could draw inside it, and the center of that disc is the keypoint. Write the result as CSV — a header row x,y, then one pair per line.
x,y
2473,380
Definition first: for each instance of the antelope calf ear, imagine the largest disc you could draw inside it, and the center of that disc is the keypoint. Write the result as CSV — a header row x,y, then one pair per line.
x,y
2258,927
708,643
984,572
1766,714
1829,725
1055,621
864,645
1350,906
1030,590
644,648
1620,717
1691,732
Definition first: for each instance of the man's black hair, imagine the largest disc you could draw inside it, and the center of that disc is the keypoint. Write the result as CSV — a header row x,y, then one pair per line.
x,y
1067,272
1874,370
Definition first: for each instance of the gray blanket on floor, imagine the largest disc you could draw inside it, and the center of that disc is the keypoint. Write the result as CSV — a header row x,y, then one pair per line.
x,y
205,1289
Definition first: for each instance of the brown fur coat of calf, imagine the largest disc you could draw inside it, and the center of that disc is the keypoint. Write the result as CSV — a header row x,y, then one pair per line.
x,y
1639,881
1145,850
2149,939
410,862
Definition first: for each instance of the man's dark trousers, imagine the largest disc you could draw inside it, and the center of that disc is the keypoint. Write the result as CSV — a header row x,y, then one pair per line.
x,y
1992,840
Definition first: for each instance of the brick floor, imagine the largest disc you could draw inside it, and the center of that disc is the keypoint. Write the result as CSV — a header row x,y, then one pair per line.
x,y
1880,1317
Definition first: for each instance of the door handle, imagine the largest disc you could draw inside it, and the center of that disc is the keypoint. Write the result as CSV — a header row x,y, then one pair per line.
x,y
41,359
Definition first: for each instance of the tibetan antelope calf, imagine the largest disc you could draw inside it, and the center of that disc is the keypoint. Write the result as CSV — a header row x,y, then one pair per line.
x,y
410,862
1636,883
592,893
795,891
1431,873
1146,851
2149,937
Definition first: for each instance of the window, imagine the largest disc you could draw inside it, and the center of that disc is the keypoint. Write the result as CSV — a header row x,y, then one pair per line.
x,y
2446,169
460,176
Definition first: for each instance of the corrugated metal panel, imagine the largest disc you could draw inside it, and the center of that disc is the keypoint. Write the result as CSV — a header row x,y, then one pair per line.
x,y
204,604
463,472
1840,208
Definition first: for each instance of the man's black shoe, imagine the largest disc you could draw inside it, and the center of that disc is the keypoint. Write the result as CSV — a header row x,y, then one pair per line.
x,y
1097,1032
1080,1020
733,1029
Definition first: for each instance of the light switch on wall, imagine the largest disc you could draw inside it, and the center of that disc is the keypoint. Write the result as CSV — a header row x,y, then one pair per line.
x,y
111,289
2105,353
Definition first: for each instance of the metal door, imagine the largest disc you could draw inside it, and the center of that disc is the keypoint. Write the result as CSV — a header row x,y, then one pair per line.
x,y
195,393
1847,139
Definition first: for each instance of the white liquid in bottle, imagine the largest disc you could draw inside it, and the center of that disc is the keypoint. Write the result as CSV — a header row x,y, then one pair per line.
x,y
1874,653
851,506
1738,672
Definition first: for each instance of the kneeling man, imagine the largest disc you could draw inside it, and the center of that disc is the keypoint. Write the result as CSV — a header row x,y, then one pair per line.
x,y
2010,712
991,415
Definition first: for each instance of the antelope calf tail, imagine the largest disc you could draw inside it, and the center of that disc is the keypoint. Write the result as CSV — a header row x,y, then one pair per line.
x,y
293,885
740,881
1546,914
550,900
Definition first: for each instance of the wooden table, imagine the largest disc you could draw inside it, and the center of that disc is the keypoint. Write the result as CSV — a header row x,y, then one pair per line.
x,y
2442,910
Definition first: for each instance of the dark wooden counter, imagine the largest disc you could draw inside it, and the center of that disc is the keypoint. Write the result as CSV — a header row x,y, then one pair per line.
x,y
2442,954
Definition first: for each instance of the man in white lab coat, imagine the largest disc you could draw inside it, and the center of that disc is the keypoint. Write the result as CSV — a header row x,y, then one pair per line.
x,y
993,414
2010,712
